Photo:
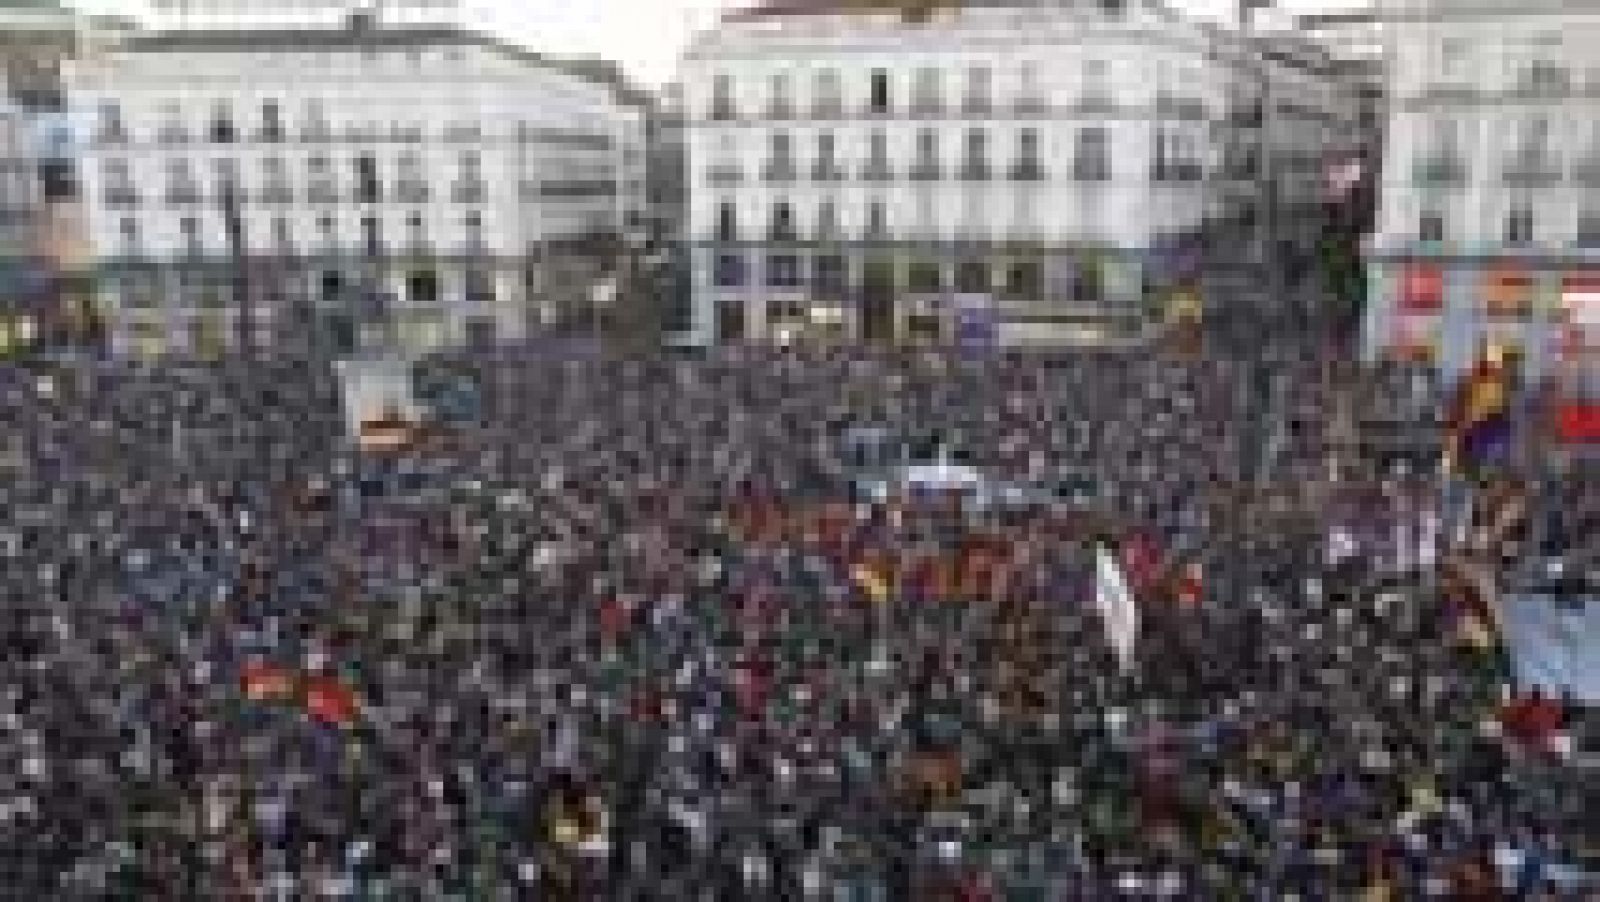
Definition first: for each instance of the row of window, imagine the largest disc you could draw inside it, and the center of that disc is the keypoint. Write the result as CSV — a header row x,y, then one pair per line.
x,y
830,272
1517,229
221,126
925,91
781,223
281,233
198,289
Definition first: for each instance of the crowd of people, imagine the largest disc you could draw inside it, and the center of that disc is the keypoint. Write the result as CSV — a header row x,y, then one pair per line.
x,y
620,630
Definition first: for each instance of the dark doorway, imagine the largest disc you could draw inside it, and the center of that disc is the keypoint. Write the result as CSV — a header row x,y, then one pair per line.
x,y
877,301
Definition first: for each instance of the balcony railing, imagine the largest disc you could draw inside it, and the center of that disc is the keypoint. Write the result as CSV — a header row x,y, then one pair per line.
x,y
877,171
183,195
1026,171
926,171
411,191
1094,105
1091,171
927,108
1587,171
467,191
271,134
974,171
1180,108
780,171
1030,106
827,171
828,109
277,193
1531,169
723,112
877,111
780,110
783,234
173,134
1542,83
724,174
1441,170
1175,172
316,132
976,106
323,192
121,198
1445,92
111,136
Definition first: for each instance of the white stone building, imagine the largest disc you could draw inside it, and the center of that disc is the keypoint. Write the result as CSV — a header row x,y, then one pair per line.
x,y
910,172
254,186
1488,234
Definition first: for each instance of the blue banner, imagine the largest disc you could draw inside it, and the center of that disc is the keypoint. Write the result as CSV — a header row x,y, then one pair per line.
x,y
1554,645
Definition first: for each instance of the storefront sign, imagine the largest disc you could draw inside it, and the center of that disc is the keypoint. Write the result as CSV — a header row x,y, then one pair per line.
x,y
1508,293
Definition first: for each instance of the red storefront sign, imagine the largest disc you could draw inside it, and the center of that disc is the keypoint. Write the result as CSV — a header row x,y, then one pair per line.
x,y
1422,289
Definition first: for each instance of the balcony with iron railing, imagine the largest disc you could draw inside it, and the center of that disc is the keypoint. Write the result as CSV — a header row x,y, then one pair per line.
x,y
322,191
783,233
1541,82
723,111
1586,171
183,194
780,110
1531,168
827,171
1176,171
467,191
873,110
827,108
1445,92
927,107
974,171
1440,170
270,134
121,197
1094,104
277,193
1169,106
172,134
1026,171
411,191
780,170
877,170
1030,106
111,136
973,105
1091,170
724,174
925,171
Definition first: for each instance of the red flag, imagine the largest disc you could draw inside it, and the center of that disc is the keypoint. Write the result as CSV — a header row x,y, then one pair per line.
x,y
331,701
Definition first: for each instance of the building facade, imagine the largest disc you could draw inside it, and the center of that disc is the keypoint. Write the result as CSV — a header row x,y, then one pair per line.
x,y
45,270
1011,172
1488,234
334,186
